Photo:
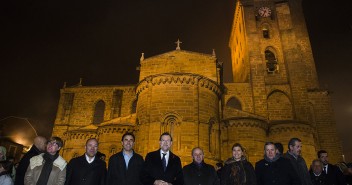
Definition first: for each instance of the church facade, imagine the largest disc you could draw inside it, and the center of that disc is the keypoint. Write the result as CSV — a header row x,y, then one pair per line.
x,y
274,96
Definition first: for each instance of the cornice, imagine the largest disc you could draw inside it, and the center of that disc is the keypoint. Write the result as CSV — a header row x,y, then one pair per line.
x,y
115,129
80,135
247,122
289,127
178,78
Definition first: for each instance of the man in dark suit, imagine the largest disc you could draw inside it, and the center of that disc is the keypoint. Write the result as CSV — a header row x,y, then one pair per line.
x,y
198,172
125,166
162,167
87,169
333,174
317,175
39,146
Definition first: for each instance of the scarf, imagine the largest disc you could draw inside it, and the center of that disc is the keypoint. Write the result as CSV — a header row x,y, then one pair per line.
x,y
277,156
46,170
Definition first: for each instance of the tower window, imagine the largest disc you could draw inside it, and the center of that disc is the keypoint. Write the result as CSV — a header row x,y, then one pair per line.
x,y
271,61
266,33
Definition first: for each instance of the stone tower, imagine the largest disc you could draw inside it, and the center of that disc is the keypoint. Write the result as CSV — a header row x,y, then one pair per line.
x,y
272,61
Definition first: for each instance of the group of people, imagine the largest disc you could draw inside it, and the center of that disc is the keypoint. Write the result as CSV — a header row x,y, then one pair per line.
x,y
43,165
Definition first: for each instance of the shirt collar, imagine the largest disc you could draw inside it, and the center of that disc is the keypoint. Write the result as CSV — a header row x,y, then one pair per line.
x,y
88,159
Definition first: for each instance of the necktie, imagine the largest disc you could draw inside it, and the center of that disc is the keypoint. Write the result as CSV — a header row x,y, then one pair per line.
x,y
163,161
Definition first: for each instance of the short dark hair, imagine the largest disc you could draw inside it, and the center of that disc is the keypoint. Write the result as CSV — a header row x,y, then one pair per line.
x,y
279,147
292,142
58,141
321,152
269,143
128,134
91,139
238,145
165,134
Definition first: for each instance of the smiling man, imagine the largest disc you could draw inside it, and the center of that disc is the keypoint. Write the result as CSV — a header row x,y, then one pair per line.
x,y
87,169
198,172
48,168
162,167
125,166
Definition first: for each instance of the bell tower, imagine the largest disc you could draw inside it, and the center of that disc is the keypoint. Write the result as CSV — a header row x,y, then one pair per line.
x,y
271,51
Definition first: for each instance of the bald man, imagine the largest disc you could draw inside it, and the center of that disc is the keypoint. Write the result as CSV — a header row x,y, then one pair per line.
x,y
39,146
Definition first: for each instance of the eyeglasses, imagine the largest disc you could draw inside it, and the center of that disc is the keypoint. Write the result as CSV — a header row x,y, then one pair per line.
x,y
52,143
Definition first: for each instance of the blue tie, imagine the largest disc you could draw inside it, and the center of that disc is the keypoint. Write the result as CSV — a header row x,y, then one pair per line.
x,y
163,161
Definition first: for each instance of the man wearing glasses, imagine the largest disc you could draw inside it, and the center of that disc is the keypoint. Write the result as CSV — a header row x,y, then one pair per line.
x,y
162,167
48,168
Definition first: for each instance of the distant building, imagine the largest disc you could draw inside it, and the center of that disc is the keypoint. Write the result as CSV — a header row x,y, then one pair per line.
x,y
275,95
16,135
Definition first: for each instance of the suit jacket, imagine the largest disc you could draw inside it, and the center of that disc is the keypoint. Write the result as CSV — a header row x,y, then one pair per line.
x,y
80,172
119,175
23,165
153,169
204,174
279,172
335,176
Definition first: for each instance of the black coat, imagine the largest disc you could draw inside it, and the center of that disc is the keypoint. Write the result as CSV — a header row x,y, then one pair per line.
x,y
23,165
245,174
334,176
318,180
300,167
153,169
118,174
80,172
203,175
279,172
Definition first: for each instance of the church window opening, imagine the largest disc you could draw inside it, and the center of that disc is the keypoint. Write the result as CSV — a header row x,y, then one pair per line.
x,y
266,33
99,112
234,103
271,61
117,103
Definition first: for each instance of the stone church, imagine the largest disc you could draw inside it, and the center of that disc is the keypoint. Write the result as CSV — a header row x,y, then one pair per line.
x,y
275,95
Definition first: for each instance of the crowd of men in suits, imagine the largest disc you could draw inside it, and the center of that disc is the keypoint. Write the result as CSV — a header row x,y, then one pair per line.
x,y
162,167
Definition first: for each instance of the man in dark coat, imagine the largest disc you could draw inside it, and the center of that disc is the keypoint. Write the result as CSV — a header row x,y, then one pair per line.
x,y
333,174
87,169
317,175
198,172
275,170
162,167
39,146
297,161
125,166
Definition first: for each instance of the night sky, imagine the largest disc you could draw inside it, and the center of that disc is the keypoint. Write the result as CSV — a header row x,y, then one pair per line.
x,y
48,42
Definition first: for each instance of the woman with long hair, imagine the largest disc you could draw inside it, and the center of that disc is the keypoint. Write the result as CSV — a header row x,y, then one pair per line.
x,y
237,170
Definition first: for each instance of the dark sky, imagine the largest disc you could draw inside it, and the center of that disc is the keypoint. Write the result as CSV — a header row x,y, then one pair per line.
x,y
48,42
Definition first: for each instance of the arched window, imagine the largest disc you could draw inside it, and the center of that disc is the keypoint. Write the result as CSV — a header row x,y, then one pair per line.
x,y
99,112
266,33
279,106
234,103
271,61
